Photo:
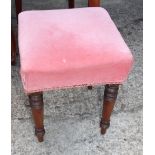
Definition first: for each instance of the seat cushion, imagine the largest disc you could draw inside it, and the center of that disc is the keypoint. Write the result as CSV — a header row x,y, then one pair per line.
x,y
71,47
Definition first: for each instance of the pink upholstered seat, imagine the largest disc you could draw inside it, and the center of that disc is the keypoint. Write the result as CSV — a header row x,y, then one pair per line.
x,y
70,47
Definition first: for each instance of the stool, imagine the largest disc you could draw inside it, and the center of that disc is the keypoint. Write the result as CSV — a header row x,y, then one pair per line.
x,y
68,48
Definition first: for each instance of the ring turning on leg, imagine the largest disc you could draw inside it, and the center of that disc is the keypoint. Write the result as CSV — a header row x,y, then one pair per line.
x,y
110,95
36,102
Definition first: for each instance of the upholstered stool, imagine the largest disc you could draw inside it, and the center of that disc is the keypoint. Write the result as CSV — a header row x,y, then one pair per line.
x,y
69,48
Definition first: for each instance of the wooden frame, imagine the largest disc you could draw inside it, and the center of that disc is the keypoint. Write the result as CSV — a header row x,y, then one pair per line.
x,y
93,3
71,3
18,4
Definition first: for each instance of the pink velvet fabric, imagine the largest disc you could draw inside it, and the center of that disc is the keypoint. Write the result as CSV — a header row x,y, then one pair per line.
x,y
71,47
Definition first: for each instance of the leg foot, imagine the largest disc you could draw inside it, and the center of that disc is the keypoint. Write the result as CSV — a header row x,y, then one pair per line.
x,y
110,95
40,132
36,103
104,126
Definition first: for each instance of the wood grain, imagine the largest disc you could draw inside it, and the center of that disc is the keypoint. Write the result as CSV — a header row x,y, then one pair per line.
x,y
110,96
37,106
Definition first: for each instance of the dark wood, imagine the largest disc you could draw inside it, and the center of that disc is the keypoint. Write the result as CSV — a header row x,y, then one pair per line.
x,y
18,4
71,3
37,106
93,3
90,87
110,96
13,48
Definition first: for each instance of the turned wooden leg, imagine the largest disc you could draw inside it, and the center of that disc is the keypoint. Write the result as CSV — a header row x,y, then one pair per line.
x,y
36,103
110,95
93,3
71,3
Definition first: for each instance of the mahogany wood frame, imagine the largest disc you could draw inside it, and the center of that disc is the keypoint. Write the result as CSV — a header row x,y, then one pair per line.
x,y
36,99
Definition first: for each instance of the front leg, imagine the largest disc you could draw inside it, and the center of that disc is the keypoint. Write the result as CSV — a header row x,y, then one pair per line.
x,y
110,95
36,102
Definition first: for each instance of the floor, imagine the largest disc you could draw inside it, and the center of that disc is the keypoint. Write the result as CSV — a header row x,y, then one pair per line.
x,y
72,115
